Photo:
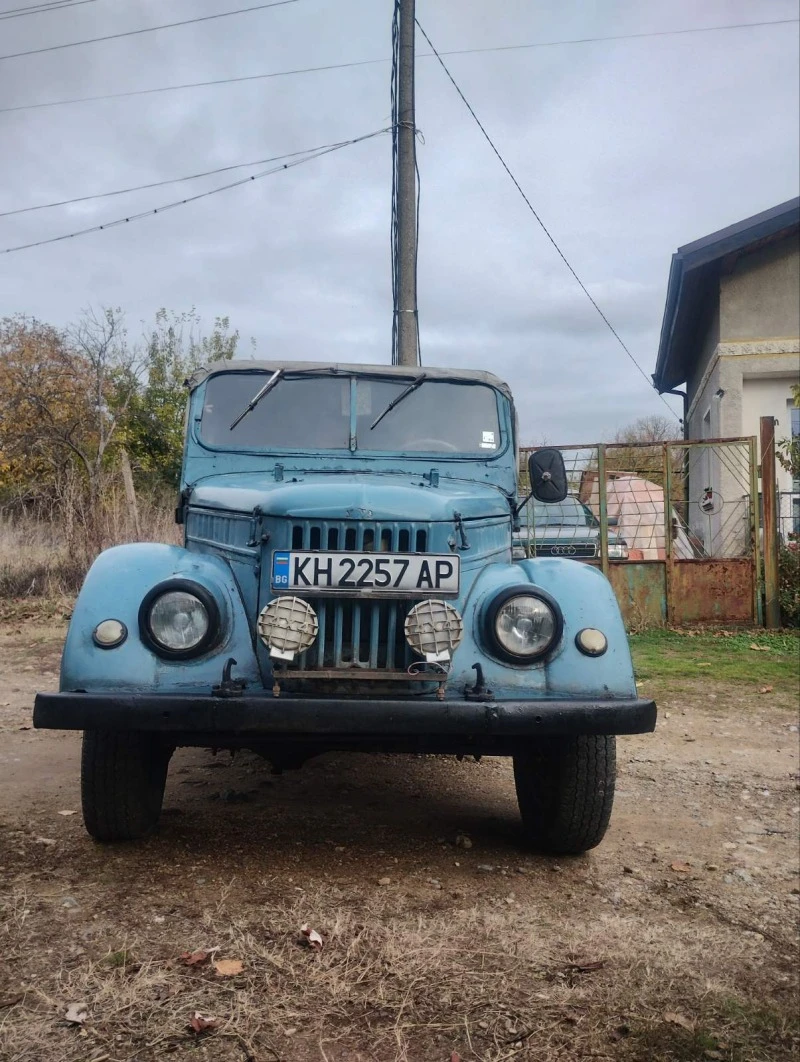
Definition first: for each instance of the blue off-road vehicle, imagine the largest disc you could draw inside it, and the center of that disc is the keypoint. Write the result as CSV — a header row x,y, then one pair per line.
x,y
346,583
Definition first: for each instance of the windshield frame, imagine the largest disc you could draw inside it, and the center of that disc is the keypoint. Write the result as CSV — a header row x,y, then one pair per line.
x,y
503,407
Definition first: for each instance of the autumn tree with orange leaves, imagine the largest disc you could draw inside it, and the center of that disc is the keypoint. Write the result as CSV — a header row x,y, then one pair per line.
x,y
63,396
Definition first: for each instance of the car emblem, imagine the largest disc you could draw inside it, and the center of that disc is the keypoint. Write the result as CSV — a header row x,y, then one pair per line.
x,y
564,551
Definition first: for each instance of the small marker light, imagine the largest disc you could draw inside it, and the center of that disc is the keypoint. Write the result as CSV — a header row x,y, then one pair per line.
x,y
591,641
109,634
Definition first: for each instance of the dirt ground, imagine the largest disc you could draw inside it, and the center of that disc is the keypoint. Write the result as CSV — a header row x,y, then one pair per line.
x,y
443,938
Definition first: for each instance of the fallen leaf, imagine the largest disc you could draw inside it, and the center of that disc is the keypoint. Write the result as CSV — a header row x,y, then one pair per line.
x,y
681,868
586,967
45,840
11,1001
201,1023
766,689
194,958
759,648
65,813
678,1019
77,1013
455,1057
315,941
228,967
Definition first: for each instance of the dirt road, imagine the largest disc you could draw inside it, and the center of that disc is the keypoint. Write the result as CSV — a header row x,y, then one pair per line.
x,y
674,940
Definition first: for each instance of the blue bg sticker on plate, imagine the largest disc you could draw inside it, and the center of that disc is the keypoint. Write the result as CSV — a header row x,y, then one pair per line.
x,y
280,569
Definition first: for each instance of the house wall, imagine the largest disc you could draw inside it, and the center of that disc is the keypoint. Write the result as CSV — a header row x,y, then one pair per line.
x,y
754,383
707,352
749,358
759,297
768,396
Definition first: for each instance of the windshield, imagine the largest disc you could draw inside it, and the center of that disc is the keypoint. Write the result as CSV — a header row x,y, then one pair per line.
x,y
568,513
315,413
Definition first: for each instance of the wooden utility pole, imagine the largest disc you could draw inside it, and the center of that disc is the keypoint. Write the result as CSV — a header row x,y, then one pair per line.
x,y
769,509
406,308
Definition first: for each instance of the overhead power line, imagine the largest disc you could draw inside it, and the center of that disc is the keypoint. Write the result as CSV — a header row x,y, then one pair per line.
x,y
313,153
41,9
148,29
541,224
373,62
160,184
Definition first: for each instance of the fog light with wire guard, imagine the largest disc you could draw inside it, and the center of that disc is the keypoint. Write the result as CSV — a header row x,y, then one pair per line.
x,y
287,626
434,629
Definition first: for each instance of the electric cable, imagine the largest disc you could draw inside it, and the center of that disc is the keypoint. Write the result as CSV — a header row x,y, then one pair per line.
x,y
200,195
148,29
372,62
541,224
41,9
158,184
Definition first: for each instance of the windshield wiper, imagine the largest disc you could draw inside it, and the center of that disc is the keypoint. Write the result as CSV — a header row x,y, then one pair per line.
x,y
251,405
396,401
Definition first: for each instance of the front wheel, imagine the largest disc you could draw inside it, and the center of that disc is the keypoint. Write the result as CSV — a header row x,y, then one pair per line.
x,y
565,789
122,784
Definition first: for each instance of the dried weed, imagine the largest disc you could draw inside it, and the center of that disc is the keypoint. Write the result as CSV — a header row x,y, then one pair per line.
x,y
490,984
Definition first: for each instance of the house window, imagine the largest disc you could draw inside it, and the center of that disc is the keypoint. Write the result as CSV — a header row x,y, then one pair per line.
x,y
794,419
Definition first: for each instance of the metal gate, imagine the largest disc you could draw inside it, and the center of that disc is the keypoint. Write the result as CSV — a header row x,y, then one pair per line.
x,y
674,525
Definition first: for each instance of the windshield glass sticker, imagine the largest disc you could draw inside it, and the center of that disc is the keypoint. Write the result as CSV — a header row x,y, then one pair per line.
x,y
487,441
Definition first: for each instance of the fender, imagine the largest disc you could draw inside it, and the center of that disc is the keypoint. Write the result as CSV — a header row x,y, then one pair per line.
x,y
586,599
114,588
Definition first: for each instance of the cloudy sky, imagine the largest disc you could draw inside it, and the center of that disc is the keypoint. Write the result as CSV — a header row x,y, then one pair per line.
x,y
627,149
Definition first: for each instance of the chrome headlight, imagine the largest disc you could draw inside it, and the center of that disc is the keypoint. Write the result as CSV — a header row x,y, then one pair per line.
x,y
523,624
179,619
618,551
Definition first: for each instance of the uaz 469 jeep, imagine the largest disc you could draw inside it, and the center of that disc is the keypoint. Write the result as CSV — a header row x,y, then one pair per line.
x,y
347,583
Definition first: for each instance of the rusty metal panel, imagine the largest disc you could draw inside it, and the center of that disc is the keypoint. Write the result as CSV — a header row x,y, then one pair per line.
x,y
713,590
641,589
686,514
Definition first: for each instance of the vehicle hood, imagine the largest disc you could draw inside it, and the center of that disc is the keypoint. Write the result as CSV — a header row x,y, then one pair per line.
x,y
563,533
351,497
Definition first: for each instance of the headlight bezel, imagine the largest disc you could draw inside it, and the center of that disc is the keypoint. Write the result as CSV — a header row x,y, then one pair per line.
x,y
621,551
490,624
203,595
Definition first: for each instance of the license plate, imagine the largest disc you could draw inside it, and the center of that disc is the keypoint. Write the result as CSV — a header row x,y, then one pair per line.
x,y
366,573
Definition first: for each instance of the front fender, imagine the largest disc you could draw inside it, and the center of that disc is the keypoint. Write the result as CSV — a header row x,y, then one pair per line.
x,y
586,599
114,588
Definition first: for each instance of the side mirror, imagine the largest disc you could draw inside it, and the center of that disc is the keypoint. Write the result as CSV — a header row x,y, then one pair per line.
x,y
548,475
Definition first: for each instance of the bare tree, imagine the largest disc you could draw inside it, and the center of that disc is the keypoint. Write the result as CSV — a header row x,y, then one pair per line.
x,y
99,342
62,397
639,448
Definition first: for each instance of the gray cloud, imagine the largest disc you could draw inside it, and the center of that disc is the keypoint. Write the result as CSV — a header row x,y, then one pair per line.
x,y
627,149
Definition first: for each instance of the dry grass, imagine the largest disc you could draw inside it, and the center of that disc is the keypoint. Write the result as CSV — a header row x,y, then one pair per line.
x,y
394,983
47,554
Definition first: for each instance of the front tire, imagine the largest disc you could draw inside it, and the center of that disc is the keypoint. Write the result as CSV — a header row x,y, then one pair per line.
x,y
565,789
122,784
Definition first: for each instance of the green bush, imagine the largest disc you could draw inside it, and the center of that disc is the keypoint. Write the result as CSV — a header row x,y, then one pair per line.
x,y
789,582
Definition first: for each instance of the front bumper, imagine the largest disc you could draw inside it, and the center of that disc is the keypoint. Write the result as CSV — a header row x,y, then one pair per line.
x,y
264,718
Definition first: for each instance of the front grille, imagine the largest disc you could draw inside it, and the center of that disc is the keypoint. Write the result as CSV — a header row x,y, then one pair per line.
x,y
357,634
360,536
570,549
